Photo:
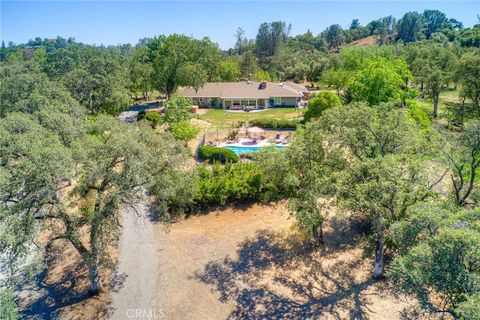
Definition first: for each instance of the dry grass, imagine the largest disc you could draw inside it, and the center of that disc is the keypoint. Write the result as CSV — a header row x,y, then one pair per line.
x,y
251,262
368,41
61,291
244,262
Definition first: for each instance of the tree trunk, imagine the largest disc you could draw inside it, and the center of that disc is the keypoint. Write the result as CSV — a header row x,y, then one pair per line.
x,y
379,252
94,277
435,106
94,259
471,184
318,233
422,95
90,101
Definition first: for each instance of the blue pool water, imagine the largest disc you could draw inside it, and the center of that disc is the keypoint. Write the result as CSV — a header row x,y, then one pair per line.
x,y
240,150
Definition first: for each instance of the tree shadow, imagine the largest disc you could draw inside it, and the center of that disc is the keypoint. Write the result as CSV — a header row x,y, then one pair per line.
x,y
61,288
118,281
273,277
236,206
45,300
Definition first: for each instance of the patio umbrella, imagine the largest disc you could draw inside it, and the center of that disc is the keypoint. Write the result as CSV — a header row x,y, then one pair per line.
x,y
255,130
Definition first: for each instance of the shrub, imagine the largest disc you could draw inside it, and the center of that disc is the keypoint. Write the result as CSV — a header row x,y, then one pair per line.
x,y
223,184
321,102
232,135
141,115
219,185
419,115
8,307
184,131
217,154
275,123
154,118
469,309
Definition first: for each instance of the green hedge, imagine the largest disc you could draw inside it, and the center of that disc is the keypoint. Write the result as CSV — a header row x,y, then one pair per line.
x,y
154,118
275,123
220,185
217,154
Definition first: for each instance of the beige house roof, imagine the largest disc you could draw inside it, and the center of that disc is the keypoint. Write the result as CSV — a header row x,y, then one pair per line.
x,y
297,86
251,89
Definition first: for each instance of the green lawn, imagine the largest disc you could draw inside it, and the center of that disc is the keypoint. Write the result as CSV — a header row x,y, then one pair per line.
x,y
224,119
447,97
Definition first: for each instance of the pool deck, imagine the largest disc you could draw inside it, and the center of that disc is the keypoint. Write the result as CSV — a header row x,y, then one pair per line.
x,y
247,143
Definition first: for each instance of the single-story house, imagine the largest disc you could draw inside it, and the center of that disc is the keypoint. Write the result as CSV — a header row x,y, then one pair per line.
x,y
238,95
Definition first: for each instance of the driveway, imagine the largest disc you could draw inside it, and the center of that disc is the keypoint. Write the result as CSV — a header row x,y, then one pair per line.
x,y
135,280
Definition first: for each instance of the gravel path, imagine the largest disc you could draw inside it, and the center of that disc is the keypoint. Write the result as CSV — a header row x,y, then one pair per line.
x,y
135,280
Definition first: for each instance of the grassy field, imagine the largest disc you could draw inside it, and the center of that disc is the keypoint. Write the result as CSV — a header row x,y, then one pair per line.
x,y
447,98
225,119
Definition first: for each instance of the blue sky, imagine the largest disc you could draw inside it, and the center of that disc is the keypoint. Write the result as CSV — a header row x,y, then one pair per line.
x,y
113,22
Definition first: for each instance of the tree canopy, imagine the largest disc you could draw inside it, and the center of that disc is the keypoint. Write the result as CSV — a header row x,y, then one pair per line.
x,y
379,81
321,102
180,60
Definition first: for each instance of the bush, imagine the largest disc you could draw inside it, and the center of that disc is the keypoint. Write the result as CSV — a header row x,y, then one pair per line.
x,y
419,115
217,154
232,135
470,309
275,123
154,118
184,131
141,115
321,102
224,184
8,307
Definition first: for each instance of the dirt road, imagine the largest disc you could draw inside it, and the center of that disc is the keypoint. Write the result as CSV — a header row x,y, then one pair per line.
x,y
135,280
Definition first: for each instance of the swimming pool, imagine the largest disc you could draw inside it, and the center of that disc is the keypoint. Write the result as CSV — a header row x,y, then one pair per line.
x,y
245,149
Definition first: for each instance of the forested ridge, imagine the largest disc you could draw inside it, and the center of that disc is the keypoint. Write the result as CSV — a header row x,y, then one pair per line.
x,y
379,139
